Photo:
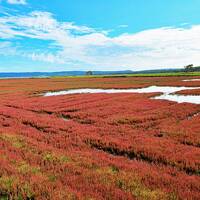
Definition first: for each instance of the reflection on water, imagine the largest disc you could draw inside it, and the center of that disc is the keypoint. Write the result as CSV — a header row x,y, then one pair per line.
x,y
166,90
180,98
191,80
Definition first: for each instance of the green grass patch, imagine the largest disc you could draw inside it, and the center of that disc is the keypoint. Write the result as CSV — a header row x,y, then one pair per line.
x,y
167,74
25,168
7,183
51,157
52,178
16,141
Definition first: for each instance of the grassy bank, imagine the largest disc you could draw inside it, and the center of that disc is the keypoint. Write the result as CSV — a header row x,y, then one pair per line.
x,y
171,74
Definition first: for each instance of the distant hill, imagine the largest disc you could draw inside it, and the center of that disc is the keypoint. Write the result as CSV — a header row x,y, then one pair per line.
x,y
196,69
62,73
82,73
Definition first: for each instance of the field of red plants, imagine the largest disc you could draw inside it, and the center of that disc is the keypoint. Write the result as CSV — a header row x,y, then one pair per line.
x,y
97,146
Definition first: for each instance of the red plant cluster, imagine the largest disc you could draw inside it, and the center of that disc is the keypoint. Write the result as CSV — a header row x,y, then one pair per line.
x,y
189,92
97,146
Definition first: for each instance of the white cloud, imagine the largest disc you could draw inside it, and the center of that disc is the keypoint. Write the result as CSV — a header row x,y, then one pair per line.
x,y
162,47
23,2
7,49
123,26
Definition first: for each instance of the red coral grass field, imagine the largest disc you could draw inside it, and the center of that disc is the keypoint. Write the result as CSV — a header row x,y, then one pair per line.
x,y
97,146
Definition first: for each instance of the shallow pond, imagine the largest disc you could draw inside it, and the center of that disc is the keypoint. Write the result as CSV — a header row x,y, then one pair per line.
x,y
191,80
166,90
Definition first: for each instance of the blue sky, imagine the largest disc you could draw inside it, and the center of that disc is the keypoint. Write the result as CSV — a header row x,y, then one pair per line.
x,y
47,35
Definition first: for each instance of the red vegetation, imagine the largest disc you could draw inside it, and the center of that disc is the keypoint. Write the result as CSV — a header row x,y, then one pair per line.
x,y
189,92
97,146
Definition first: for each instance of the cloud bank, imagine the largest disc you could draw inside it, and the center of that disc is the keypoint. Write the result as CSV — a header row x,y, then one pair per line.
x,y
23,2
68,43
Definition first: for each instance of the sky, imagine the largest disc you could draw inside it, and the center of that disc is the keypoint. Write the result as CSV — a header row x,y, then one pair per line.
x,y
66,35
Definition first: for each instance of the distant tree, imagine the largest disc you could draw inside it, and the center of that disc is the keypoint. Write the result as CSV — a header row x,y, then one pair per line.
x,y
189,68
89,73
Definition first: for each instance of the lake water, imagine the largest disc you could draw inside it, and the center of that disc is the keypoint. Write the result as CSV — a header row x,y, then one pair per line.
x,y
167,93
